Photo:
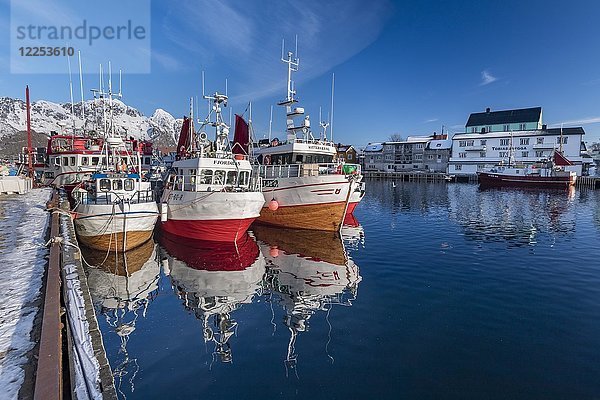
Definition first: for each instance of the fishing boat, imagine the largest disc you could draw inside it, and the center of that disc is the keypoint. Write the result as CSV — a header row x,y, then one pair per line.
x,y
115,209
549,174
211,193
302,185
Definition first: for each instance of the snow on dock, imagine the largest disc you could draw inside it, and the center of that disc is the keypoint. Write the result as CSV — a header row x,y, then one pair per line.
x,y
23,222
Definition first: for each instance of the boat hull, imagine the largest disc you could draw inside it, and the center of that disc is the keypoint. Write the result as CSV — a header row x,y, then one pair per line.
x,y
120,227
211,216
356,195
488,179
317,202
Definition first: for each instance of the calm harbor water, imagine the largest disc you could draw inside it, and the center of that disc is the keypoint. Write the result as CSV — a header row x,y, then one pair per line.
x,y
442,292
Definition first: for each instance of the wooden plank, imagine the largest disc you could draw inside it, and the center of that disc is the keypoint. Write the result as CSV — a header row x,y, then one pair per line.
x,y
48,382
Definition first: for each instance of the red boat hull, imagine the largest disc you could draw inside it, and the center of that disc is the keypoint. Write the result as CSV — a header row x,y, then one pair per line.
x,y
222,230
488,179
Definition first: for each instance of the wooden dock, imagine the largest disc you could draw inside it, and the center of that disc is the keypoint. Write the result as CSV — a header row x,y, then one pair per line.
x,y
410,176
582,182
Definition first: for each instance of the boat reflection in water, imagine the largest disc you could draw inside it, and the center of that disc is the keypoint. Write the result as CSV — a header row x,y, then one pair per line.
x,y
353,233
308,271
213,280
122,286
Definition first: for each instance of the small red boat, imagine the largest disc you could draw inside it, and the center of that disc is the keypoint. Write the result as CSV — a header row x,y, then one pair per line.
x,y
550,174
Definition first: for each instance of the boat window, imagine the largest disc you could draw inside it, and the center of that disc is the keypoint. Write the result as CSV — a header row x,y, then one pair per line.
x,y
147,160
117,184
299,158
95,160
66,161
219,178
206,176
57,161
244,175
231,177
128,184
104,185
73,162
84,161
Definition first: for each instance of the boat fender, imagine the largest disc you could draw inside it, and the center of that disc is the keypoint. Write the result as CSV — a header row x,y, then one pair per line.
x,y
273,205
163,212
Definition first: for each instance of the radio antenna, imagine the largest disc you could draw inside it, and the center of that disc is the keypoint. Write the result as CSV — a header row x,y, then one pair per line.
x,y
331,120
270,123
71,94
81,90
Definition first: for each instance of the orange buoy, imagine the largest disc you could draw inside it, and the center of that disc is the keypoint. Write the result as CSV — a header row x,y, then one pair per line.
x,y
273,205
274,251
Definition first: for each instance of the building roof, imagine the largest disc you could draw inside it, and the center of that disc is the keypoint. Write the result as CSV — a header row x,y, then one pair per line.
x,y
505,116
374,147
343,147
440,144
578,130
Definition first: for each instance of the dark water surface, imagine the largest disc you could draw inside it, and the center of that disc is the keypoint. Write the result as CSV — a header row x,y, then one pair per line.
x,y
442,292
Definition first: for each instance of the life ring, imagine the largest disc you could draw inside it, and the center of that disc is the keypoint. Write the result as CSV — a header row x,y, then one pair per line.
x,y
267,160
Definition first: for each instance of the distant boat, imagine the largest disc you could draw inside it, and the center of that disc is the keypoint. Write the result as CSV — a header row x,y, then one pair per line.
x,y
548,174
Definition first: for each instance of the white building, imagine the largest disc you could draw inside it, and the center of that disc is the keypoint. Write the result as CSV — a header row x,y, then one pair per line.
x,y
491,139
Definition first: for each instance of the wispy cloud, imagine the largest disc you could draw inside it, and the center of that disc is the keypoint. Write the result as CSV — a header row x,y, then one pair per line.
x,y
582,121
487,78
428,121
228,40
166,61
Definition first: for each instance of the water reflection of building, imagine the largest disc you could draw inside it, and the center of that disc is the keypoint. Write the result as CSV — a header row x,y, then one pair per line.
x,y
308,271
122,286
213,280
514,216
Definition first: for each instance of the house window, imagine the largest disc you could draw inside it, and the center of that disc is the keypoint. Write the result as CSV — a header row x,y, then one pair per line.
x,y
489,128
524,154
462,155
564,140
439,156
350,156
470,142
462,143
482,154
474,129
504,142
419,145
483,142
506,128
418,156
540,140
522,127
539,154
503,154
430,157
458,167
524,141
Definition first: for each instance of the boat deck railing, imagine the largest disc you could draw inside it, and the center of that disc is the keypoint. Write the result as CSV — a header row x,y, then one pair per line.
x,y
304,170
139,196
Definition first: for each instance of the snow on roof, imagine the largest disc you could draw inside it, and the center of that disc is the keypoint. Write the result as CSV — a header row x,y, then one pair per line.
x,y
441,144
374,147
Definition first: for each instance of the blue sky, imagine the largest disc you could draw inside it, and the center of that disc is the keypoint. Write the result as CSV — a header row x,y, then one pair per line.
x,y
403,67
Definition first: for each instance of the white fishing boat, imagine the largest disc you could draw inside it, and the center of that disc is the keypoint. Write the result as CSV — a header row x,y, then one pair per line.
x,y
115,209
211,193
303,186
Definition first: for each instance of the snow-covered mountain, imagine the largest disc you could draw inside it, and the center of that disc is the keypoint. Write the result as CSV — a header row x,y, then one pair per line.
x,y
162,128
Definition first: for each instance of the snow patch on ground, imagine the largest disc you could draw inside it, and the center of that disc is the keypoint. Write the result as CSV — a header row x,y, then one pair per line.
x,y
23,222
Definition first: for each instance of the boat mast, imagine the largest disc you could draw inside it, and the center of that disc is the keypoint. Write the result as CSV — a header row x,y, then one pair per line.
x,y
221,128
29,148
81,90
331,120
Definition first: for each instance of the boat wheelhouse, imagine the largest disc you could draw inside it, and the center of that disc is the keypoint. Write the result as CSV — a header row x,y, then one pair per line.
x,y
211,193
